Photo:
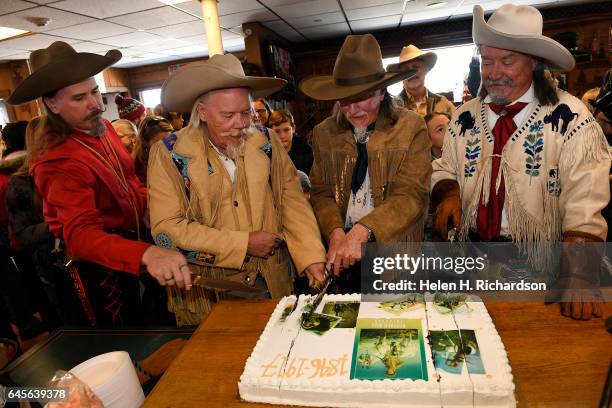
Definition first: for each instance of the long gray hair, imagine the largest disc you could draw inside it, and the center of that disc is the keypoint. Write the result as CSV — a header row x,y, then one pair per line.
x,y
389,108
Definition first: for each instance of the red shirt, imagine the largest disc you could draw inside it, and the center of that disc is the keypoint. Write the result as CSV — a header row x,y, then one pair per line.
x,y
83,199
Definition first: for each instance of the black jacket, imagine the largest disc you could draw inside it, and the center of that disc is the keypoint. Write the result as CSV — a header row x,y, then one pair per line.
x,y
301,153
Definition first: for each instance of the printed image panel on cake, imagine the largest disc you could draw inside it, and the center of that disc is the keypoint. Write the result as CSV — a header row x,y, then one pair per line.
x,y
391,355
399,308
260,381
445,344
320,357
405,306
389,349
485,356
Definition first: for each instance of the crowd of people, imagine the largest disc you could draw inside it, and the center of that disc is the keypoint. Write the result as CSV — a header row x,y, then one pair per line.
x,y
119,224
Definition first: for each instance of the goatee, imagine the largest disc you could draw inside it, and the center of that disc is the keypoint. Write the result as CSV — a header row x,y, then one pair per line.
x,y
234,152
499,100
98,128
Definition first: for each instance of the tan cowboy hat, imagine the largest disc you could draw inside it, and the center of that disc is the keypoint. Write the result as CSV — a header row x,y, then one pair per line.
x,y
358,70
412,52
187,83
519,28
57,67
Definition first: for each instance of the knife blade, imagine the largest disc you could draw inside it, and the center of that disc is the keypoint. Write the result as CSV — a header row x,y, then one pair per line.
x,y
329,277
225,285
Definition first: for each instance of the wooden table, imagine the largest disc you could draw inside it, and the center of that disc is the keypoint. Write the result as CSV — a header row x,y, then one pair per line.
x,y
556,361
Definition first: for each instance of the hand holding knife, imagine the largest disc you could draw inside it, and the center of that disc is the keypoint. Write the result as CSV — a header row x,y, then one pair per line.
x,y
329,277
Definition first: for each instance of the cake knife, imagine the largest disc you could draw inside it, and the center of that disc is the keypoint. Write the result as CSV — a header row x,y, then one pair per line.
x,y
328,279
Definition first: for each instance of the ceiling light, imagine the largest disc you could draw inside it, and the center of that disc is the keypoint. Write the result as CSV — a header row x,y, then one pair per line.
x,y
39,21
8,32
436,4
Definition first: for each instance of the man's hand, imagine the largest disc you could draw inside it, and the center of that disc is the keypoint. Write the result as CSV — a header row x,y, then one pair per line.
x,y
448,212
336,240
169,267
345,250
315,274
446,202
262,243
580,300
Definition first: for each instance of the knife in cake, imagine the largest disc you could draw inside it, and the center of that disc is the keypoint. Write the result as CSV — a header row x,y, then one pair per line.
x,y
329,277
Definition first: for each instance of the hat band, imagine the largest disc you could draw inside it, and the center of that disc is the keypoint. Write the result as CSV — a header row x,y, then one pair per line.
x,y
359,80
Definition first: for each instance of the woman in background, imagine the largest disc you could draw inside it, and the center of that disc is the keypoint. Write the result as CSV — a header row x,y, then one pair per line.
x,y
151,129
127,133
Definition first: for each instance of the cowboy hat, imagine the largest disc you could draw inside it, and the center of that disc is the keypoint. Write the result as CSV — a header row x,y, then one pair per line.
x,y
519,28
412,52
57,67
187,83
358,70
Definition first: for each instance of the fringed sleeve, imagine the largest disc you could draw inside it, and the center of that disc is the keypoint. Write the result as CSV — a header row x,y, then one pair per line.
x,y
584,167
324,193
407,198
446,167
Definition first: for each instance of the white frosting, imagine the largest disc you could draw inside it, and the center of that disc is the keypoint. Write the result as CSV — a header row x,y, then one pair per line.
x,y
296,367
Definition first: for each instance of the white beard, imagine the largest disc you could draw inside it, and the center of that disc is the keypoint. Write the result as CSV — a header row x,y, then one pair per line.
x,y
234,152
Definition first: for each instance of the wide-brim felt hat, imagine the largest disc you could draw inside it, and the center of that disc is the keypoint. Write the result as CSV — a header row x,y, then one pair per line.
x,y
186,84
57,67
519,28
358,70
412,52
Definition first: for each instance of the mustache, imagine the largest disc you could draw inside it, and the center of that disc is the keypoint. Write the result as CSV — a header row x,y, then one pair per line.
x,y
94,114
358,114
498,82
235,133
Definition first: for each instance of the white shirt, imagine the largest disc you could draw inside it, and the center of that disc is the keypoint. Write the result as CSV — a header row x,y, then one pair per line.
x,y
360,204
529,98
228,163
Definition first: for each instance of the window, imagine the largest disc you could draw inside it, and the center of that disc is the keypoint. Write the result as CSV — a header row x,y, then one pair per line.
x,y
4,119
447,75
151,97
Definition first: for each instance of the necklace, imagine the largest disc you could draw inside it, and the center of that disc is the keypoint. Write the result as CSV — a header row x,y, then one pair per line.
x,y
120,176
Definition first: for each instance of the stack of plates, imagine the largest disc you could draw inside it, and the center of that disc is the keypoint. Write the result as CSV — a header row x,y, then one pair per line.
x,y
112,377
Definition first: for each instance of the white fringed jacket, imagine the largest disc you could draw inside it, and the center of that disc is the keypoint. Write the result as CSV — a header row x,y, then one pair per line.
x,y
555,168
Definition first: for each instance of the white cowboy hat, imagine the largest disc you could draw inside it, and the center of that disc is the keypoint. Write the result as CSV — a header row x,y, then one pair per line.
x,y
180,91
412,52
519,28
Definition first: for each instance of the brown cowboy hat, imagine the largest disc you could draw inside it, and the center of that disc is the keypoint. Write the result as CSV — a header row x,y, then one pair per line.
x,y
358,70
57,67
187,83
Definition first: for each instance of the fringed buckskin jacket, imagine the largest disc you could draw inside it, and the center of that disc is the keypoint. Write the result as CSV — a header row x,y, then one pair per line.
x,y
555,168
195,208
399,165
